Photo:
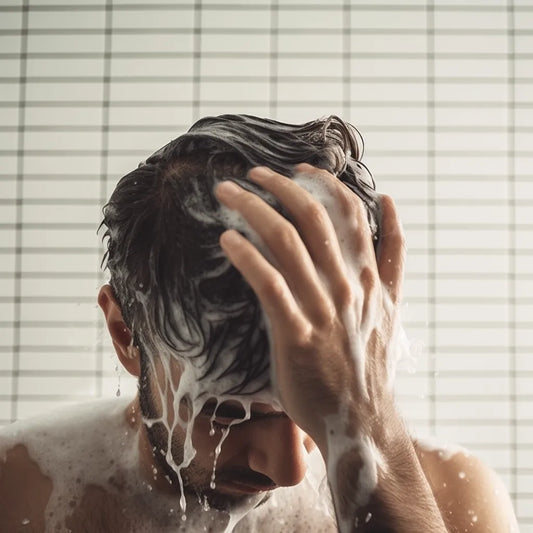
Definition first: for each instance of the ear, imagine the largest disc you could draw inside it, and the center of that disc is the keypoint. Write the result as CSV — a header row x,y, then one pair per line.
x,y
121,336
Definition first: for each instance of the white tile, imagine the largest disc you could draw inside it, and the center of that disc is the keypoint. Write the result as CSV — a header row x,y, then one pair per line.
x,y
473,386
392,140
11,20
57,336
291,43
10,67
303,91
306,66
236,19
467,141
400,43
140,18
471,20
64,92
79,18
290,19
483,264
67,311
470,68
472,288
62,140
235,91
470,239
52,386
164,115
469,362
61,238
388,67
8,141
151,66
388,19
63,116
10,92
81,67
235,43
67,287
389,91
10,44
467,44
523,43
494,117
491,337
59,164
153,42
472,214
363,115
496,313
221,67
61,42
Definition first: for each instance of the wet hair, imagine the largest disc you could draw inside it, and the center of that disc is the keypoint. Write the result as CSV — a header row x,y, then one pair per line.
x,y
175,287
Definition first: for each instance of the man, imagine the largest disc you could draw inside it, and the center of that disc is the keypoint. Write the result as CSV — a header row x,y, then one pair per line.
x,y
260,314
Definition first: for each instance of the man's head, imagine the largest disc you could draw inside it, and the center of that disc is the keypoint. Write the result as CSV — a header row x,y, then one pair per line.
x,y
177,291
197,324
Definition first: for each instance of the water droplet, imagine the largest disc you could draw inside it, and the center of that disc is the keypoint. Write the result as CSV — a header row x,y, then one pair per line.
x,y
25,522
368,517
212,485
462,475
211,432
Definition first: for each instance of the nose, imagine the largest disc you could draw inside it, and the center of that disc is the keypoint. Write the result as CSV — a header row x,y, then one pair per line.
x,y
278,450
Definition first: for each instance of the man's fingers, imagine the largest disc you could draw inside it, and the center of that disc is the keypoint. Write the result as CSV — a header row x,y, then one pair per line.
x,y
329,217
283,241
268,284
391,250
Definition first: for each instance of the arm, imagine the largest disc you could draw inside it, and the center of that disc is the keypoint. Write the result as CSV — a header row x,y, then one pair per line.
x,y
332,308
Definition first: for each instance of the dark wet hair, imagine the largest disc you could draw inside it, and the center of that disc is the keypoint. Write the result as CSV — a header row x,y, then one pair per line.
x,y
167,270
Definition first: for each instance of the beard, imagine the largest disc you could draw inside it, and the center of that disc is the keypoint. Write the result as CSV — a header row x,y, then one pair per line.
x,y
196,478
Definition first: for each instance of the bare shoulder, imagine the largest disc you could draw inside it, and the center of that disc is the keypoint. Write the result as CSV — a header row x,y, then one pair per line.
x,y
470,495
24,490
53,467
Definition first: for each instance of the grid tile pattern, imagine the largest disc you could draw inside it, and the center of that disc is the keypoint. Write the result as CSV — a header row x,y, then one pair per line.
x,y
442,92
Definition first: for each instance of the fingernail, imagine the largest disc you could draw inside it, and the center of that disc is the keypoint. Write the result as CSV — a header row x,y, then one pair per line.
x,y
230,237
228,188
258,173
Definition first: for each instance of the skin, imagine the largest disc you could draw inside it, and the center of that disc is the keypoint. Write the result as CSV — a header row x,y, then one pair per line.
x,y
305,297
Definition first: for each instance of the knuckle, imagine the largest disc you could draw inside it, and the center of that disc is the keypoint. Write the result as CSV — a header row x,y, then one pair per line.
x,y
274,287
350,203
368,279
316,213
285,236
344,294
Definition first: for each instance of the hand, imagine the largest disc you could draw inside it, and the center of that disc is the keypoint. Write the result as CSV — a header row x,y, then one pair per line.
x,y
331,304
